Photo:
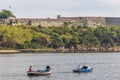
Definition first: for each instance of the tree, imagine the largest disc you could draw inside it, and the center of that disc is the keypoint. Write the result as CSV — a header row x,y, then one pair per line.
x,y
66,39
105,36
56,41
40,41
30,22
4,14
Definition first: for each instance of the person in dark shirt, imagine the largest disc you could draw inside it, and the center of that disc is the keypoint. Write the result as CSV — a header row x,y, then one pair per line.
x,y
84,67
48,67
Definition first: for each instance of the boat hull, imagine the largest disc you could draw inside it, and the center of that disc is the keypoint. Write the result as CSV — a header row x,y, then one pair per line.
x,y
35,73
83,70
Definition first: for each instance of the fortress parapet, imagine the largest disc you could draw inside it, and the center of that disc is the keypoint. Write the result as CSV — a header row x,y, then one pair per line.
x,y
59,21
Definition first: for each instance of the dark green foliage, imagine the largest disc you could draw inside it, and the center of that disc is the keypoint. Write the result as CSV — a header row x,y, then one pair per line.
x,y
29,22
56,41
4,14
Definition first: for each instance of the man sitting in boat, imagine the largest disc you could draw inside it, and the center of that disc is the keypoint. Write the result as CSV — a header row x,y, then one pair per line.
x,y
85,67
30,68
48,67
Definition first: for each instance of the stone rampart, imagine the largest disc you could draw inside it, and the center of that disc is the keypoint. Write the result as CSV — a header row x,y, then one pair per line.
x,y
112,21
60,21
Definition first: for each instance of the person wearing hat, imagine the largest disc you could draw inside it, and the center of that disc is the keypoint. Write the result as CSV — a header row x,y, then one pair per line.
x,y
30,68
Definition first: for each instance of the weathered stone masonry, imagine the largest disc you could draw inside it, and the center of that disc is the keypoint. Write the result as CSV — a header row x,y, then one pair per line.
x,y
59,21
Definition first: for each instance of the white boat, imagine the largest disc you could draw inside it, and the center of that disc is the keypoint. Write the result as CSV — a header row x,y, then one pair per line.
x,y
39,72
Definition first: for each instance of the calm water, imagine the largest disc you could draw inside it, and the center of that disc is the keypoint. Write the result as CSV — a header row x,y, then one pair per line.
x,y
106,66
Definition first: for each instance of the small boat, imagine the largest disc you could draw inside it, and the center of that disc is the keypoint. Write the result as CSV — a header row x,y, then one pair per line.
x,y
83,70
39,72
80,70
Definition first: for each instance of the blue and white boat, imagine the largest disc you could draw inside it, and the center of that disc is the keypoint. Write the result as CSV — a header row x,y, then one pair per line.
x,y
82,70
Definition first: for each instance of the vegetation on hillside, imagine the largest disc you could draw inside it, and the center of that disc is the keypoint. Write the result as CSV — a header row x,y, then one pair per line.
x,y
35,37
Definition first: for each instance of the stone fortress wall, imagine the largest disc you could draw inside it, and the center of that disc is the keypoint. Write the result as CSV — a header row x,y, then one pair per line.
x,y
60,21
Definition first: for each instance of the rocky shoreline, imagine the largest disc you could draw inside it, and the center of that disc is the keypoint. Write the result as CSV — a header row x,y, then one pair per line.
x,y
64,50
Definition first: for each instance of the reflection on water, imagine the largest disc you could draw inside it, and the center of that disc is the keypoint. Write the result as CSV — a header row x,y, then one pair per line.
x,y
106,66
